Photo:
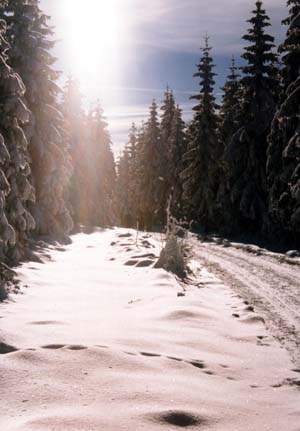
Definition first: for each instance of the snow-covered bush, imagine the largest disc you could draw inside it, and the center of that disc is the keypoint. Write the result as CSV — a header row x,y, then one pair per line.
x,y
174,255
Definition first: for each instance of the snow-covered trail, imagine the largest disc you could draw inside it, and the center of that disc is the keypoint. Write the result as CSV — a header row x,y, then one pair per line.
x,y
265,279
103,342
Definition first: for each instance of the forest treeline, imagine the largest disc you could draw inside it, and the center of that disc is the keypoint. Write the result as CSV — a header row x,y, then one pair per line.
x,y
56,165
234,168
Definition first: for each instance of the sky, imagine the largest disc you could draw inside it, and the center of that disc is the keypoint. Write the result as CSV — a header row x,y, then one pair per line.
x,y
125,52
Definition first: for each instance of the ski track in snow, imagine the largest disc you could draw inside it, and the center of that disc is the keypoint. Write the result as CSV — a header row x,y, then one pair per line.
x,y
102,341
265,280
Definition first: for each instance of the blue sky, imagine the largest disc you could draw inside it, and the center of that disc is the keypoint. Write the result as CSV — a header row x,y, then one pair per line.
x,y
155,44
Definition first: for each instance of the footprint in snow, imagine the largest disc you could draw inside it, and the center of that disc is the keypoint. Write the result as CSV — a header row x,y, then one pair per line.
x,y
150,355
131,262
6,348
144,263
53,346
179,418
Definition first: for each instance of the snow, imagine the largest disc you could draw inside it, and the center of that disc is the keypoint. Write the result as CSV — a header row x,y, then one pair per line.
x,y
104,345
270,281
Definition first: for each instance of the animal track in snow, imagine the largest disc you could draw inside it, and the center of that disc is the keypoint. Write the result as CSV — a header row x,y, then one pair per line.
x,y
46,322
6,348
197,364
150,355
53,346
179,418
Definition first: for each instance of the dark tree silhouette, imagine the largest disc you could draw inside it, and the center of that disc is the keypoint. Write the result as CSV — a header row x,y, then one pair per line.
x,y
245,154
200,177
283,167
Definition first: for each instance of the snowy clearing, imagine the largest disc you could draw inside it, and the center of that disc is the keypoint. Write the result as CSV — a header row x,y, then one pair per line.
x,y
101,340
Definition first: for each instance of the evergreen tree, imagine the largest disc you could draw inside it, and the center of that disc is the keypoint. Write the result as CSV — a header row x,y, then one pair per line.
x,y
150,180
122,189
168,109
127,182
76,137
165,161
177,150
139,174
230,119
132,148
283,165
290,48
245,154
102,174
31,40
200,178
16,190
230,122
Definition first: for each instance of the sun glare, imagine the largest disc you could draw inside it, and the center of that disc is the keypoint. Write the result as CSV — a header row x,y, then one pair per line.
x,y
93,32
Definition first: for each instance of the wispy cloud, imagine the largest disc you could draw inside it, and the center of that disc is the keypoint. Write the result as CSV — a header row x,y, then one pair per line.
x,y
154,91
179,25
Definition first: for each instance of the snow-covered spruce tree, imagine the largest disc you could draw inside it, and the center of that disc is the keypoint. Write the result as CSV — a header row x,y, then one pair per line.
x,y
177,142
16,190
139,174
201,176
7,233
230,120
102,173
150,169
127,182
122,194
30,37
76,137
283,165
132,149
165,160
245,155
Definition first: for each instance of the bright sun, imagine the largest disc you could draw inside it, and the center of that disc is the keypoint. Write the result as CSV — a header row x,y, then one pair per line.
x,y
93,32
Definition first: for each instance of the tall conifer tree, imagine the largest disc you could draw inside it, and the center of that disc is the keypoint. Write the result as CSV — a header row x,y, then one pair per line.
x,y
132,149
150,180
16,190
230,122
165,161
127,182
246,153
31,40
139,174
123,186
200,178
177,150
230,119
75,128
283,166
101,174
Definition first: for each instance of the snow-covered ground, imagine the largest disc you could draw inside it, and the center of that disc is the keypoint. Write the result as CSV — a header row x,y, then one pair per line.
x,y
269,281
103,341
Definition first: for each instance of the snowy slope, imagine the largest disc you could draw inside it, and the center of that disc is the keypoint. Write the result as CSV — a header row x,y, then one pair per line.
x,y
105,343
